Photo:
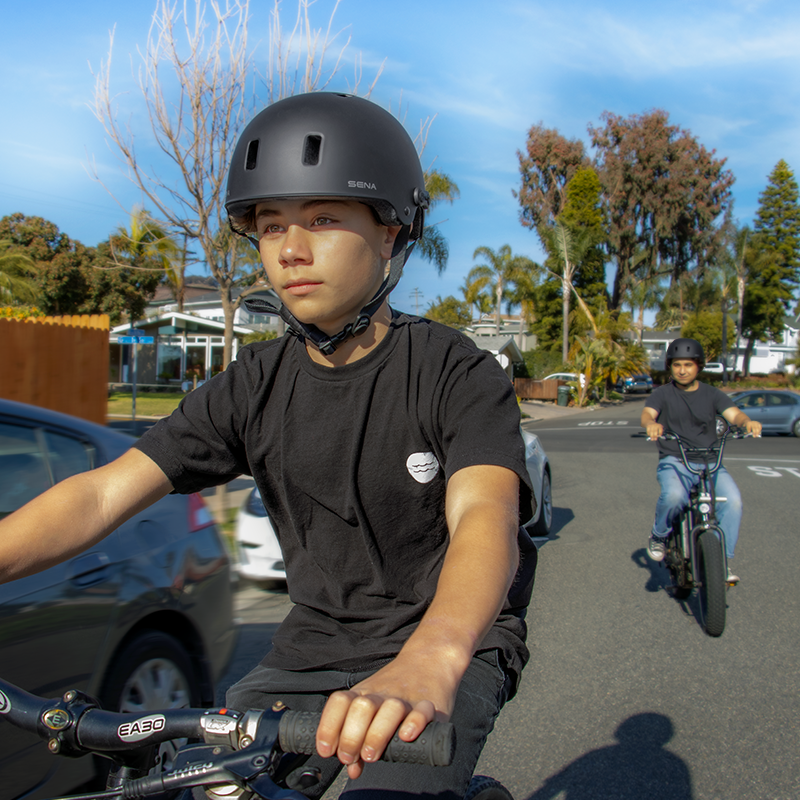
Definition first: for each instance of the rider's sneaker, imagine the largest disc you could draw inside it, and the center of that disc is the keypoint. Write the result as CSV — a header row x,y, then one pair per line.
x,y
732,579
656,548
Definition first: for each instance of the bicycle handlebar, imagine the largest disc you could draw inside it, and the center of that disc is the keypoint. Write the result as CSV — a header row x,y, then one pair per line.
x,y
240,748
715,450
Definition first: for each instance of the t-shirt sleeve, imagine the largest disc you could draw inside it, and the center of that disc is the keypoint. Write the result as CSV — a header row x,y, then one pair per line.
x,y
656,400
201,443
722,402
480,421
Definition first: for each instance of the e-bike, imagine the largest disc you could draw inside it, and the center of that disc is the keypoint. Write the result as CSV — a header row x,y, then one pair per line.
x,y
695,548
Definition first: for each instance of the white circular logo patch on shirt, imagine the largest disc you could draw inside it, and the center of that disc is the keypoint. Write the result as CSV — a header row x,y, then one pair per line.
x,y
422,467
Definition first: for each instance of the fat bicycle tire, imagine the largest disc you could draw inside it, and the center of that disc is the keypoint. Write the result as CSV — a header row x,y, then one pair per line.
x,y
482,787
710,571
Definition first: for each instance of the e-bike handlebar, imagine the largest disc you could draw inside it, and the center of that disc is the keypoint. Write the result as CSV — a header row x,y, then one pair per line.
x,y
714,452
241,748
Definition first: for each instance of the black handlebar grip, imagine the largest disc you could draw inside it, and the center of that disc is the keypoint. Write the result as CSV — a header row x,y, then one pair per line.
x,y
435,746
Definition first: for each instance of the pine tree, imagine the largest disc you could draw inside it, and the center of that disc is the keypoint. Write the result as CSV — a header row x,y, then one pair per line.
x,y
773,259
777,226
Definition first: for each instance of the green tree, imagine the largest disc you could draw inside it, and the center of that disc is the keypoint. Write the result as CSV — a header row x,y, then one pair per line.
x,y
706,327
776,230
62,267
450,311
772,259
546,167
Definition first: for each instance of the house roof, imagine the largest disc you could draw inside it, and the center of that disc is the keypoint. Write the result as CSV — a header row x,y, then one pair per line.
x,y
497,344
181,321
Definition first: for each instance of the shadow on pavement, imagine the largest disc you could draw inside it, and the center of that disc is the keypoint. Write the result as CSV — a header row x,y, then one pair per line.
x,y
637,767
561,518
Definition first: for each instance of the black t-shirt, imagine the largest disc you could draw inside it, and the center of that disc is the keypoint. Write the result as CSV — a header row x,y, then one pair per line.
x,y
692,415
352,463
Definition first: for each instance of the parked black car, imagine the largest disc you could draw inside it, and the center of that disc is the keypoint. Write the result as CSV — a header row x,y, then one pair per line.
x,y
142,620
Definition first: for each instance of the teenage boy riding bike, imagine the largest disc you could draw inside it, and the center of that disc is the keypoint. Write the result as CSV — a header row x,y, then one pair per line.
x,y
386,449
690,408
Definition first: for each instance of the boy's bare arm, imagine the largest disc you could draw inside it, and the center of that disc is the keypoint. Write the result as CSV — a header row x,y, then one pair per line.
x,y
421,683
76,513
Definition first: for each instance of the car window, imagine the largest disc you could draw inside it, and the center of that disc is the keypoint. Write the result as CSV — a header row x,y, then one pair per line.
x,y
23,468
33,459
67,456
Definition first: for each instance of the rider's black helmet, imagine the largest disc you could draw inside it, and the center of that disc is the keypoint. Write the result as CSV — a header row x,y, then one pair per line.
x,y
329,145
686,348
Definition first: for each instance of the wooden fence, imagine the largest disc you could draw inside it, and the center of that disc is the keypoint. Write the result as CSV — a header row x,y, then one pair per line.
x,y
60,363
528,389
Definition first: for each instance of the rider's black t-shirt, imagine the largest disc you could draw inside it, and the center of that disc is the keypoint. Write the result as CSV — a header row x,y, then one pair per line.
x,y
352,463
692,415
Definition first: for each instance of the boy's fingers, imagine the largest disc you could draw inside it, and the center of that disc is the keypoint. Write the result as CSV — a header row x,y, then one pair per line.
x,y
331,722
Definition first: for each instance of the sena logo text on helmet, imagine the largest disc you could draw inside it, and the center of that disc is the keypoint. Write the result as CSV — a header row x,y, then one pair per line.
x,y
362,185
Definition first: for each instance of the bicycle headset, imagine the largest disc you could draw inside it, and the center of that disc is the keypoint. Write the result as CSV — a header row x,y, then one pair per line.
x,y
325,144
685,348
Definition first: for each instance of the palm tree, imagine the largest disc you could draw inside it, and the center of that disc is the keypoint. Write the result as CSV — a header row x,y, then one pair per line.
x,y
432,245
474,292
146,246
643,295
567,246
15,285
503,270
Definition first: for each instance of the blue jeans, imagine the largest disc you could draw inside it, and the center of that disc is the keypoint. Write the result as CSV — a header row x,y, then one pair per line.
x,y
676,481
481,694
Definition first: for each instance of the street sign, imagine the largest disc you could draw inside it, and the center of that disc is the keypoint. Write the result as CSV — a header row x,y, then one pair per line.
x,y
135,339
135,332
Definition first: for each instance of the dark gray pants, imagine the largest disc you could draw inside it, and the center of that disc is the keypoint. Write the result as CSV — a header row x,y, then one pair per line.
x,y
481,694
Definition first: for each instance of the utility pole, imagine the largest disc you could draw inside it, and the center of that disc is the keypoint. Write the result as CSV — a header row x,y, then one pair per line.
x,y
417,295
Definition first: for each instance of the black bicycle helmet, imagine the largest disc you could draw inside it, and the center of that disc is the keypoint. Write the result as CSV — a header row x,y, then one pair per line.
x,y
686,348
330,145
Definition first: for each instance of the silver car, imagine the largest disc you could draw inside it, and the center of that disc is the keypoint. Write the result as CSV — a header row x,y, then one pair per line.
x,y
259,555
777,410
143,620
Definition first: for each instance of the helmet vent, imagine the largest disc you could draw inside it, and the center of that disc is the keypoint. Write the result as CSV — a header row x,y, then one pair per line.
x,y
311,150
252,155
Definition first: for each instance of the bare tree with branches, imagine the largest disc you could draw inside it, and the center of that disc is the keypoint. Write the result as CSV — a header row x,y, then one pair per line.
x,y
193,76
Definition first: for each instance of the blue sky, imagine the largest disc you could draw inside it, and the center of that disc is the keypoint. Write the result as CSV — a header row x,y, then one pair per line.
x,y
727,70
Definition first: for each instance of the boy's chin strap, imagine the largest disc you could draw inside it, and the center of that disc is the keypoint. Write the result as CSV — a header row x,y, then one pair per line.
x,y
327,344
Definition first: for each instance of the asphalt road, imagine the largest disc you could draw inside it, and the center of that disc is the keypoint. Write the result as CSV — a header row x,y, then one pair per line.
x,y
625,697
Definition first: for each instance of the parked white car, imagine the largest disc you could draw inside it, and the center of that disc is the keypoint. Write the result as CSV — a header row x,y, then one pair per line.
x,y
714,367
259,554
566,376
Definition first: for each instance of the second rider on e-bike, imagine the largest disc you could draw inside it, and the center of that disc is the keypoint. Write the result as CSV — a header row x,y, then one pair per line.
x,y
689,408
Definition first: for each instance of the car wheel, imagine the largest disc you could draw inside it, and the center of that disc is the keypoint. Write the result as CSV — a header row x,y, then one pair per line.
x,y
542,525
152,672
796,428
